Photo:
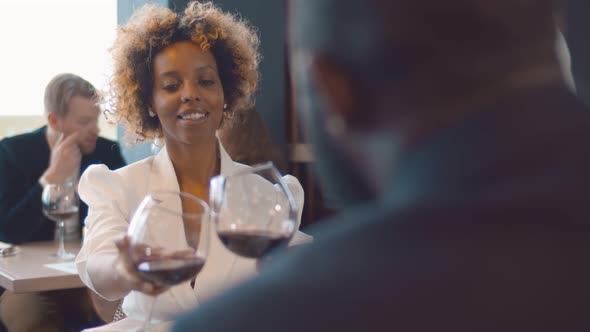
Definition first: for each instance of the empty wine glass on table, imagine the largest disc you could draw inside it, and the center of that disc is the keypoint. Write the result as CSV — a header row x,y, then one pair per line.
x,y
169,239
253,210
59,203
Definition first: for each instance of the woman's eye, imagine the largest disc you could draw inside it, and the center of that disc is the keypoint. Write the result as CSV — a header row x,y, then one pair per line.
x,y
170,86
206,82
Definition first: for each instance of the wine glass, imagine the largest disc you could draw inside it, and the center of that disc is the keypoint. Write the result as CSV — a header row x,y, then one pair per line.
x,y
60,202
253,209
169,239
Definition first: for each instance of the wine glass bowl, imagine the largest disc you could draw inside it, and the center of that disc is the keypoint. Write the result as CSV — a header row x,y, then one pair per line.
x,y
169,240
60,202
182,219
253,209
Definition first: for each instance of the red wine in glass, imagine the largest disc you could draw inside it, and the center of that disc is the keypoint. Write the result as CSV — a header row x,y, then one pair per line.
x,y
170,271
253,209
60,215
251,244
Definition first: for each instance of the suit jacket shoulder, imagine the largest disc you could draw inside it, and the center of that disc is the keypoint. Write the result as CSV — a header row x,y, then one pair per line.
x,y
33,143
107,152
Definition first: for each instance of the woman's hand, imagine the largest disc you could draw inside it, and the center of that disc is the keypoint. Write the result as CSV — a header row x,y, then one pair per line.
x,y
127,273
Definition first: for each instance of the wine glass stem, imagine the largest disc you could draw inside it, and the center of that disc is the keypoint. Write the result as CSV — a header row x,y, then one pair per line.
x,y
148,317
61,230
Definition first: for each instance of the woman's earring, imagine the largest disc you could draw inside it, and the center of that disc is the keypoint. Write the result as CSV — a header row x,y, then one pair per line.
x,y
151,113
225,107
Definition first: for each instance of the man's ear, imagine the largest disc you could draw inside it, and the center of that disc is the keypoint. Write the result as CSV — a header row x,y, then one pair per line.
x,y
53,121
336,86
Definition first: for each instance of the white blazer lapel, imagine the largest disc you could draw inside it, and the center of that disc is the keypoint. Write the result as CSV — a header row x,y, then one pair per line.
x,y
228,166
170,233
219,271
162,176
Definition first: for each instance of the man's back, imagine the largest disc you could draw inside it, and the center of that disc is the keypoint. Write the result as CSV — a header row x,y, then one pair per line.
x,y
485,228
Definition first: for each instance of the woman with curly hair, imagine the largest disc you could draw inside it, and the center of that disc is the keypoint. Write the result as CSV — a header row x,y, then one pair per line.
x,y
177,78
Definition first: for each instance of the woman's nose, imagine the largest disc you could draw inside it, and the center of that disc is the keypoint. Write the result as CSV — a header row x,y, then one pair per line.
x,y
189,92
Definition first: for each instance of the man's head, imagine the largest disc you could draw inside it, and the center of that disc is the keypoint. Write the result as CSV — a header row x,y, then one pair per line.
x,y
401,67
415,53
71,105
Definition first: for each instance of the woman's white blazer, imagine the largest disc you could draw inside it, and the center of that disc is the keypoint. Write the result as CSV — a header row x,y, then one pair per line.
x,y
113,196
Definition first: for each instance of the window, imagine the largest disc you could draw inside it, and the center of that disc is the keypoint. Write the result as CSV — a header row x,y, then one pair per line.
x,y
43,38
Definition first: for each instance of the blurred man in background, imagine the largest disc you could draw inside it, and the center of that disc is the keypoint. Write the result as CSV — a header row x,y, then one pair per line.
x,y
454,116
52,154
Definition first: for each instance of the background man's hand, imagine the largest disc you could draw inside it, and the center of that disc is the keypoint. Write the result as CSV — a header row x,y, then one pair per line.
x,y
64,160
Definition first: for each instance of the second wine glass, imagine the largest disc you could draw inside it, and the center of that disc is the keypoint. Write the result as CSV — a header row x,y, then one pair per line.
x,y
254,210
169,235
60,202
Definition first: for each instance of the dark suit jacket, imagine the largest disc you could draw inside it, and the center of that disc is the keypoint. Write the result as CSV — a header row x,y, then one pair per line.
x,y
23,159
485,228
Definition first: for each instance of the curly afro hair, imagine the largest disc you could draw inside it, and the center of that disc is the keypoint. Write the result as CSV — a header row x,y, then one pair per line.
x,y
233,42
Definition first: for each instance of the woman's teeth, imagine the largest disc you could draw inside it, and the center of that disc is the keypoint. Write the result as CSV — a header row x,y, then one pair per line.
x,y
193,116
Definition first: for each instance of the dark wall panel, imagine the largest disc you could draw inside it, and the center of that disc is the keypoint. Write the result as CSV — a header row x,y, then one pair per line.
x,y
268,16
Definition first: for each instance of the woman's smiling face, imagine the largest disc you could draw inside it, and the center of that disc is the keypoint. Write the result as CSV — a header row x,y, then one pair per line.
x,y
187,93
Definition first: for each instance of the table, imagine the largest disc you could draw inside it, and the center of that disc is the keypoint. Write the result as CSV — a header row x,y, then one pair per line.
x,y
24,272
